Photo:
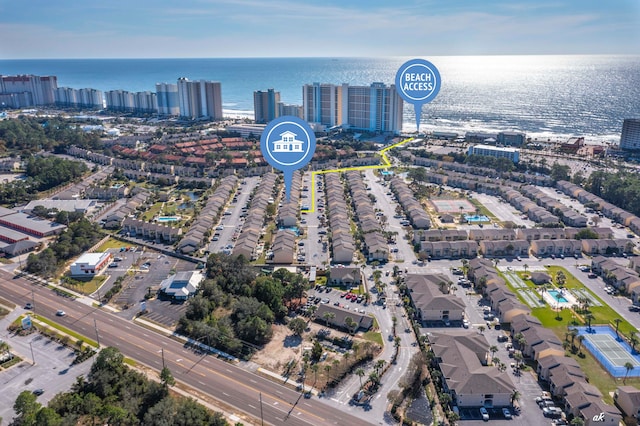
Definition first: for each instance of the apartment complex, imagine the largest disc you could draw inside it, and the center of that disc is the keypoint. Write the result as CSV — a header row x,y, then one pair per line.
x,y
374,108
265,105
27,90
494,151
200,99
630,136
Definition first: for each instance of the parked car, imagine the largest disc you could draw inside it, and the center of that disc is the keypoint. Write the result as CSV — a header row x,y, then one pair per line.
x,y
37,392
506,413
552,412
484,413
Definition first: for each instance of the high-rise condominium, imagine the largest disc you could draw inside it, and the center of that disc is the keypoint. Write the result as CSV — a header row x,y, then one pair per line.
x,y
630,136
374,108
27,90
167,95
200,99
265,105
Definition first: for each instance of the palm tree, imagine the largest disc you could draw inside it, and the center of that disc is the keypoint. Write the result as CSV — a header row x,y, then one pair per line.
x,y
481,329
493,349
350,323
561,279
617,321
628,367
327,369
634,341
328,316
518,357
515,396
495,361
315,368
580,340
525,267
589,317
573,333
360,373
379,366
5,348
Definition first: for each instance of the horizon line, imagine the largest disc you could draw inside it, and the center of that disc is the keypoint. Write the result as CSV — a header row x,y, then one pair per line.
x,y
315,57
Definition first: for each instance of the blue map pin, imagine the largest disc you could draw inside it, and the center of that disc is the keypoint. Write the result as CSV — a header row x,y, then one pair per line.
x,y
418,82
288,144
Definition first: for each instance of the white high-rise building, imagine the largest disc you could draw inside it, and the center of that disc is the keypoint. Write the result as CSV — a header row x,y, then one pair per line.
x,y
91,98
167,96
374,108
200,99
120,100
28,90
145,102
630,136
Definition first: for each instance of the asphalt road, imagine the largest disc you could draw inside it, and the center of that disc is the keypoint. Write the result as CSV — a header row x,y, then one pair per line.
x,y
232,385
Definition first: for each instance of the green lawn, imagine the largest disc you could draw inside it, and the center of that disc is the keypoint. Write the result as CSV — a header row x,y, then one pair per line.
x,y
482,209
111,243
64,330
84,287
152,212
373,336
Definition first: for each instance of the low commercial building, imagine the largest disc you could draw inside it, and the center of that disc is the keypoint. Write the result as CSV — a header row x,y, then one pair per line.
x,y
347,277
182,285
90,264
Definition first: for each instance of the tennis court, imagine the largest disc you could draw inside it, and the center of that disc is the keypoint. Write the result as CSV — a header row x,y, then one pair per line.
x,y
453,206
612,352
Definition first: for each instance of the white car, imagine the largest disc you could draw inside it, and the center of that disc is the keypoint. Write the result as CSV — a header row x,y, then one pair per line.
x,y
484,413
61,313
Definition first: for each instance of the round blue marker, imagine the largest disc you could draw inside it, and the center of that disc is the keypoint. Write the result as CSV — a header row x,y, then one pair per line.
x,y
288,144
418,82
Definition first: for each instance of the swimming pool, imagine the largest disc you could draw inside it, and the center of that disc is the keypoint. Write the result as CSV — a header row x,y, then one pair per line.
x,y
476,218
168,218
558,296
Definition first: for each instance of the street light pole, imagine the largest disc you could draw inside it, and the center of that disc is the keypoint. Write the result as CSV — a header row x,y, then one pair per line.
x,y
95,324
261,415
33,358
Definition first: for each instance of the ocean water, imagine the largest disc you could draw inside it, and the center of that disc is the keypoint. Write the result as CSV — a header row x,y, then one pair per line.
x,y
548,97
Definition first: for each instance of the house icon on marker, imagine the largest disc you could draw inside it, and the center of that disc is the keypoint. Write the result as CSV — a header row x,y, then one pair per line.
x,y
287,143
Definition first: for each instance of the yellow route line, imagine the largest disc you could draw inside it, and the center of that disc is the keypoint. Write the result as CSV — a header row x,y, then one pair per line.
x,y
385,164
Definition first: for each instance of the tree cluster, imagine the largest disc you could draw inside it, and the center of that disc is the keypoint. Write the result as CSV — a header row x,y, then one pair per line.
x,y
42,173
26,135
500,164
79,237
114,394
621,189
235,308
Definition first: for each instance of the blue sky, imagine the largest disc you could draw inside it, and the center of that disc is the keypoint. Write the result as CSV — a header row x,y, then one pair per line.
x,y
284,28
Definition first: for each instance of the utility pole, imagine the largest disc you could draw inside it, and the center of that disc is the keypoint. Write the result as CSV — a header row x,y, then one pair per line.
x,y
33,358
33,301
261,415
95,324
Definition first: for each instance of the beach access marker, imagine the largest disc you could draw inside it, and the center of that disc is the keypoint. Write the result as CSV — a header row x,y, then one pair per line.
x,y
418,82
288,144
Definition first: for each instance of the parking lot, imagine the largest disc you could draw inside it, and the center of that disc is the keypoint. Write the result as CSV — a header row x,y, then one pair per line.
x,y
144,270
52,371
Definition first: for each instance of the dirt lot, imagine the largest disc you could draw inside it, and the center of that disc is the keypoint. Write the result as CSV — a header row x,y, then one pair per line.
x,y
284,346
